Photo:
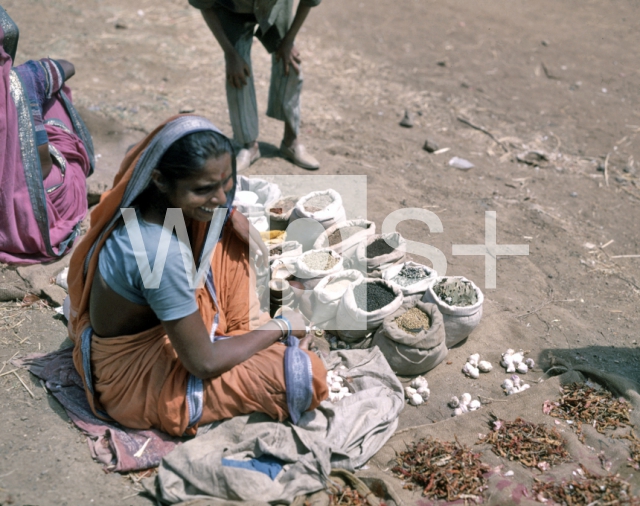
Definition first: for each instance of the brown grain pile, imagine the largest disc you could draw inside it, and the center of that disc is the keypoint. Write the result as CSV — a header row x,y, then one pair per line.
x,y
413,321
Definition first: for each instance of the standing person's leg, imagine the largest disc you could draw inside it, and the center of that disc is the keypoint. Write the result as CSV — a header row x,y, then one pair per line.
x,y
243,108
284,94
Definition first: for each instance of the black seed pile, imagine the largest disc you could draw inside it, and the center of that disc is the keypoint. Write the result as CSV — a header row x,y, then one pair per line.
x,y
379,247
372,296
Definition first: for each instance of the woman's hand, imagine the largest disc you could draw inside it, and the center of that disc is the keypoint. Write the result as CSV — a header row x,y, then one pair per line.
x,y
298,324
250,235
289,55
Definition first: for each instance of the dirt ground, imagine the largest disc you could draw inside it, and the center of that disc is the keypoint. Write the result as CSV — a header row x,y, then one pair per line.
x,y
559,78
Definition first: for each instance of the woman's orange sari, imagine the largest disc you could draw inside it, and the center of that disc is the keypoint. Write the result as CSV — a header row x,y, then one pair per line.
x,y
138,380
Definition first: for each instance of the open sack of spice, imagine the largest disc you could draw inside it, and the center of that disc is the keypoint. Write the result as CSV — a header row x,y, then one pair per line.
x,y
460,302
345,237
279,213
364,306
314,265
412,339
286,249
253,196
379,252
324,206
327,295
411,277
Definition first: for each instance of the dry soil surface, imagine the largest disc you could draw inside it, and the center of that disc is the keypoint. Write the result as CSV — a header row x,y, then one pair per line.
x,y
556,78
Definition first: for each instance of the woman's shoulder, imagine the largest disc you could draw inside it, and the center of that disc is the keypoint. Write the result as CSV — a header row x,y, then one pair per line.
x,y
165,287
127,241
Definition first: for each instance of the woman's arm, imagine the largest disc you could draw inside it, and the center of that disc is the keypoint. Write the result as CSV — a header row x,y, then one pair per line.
x,y
204,359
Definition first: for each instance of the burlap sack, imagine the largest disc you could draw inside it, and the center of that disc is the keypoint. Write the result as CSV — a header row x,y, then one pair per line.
x,y
416,288
278,216
376,265
267,193
459,322
412,354
290,249
325,302
327,217
348,247
353,324
310,277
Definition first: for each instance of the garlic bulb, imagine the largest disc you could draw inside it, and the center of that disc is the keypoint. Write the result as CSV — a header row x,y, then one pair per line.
x,y
522,368
336,386
465,399
474,359
416,399
506,384
517,389
454,402
419,382
530,363
457,412
484,366
410,392
475,404
424,392
471,371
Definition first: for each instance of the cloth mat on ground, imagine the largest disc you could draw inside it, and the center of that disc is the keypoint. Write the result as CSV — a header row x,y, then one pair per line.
x,y
252,458
596,454
118,448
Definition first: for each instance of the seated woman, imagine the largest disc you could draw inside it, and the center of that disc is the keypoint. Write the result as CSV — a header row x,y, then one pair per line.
x,y
164,357
46,155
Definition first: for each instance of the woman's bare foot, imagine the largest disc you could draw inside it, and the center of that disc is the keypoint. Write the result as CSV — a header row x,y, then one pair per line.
x,y
68,68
